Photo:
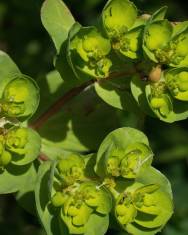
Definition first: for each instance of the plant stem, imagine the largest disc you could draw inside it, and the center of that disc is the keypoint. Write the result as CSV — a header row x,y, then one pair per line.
x,y
38,123
58,105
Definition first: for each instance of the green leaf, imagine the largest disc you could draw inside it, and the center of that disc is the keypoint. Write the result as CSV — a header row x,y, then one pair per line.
x,y
119,139
154,176
114,95
97,225
76,127
139,230
180,27
25,196
57,20
14,177
47,215
158,15
138,92
8,69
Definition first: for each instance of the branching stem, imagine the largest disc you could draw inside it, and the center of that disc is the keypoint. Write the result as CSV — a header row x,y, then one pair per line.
x,y
38,123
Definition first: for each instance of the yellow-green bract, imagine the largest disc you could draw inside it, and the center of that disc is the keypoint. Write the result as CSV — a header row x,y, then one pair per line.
x,y
20,97
19,146
145,205
89,52
125,152
123,28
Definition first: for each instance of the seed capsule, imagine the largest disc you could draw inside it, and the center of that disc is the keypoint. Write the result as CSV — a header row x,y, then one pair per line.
x,y
5,158
58,199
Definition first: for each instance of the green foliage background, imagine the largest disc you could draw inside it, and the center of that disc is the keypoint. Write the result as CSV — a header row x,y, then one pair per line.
x,y
23,37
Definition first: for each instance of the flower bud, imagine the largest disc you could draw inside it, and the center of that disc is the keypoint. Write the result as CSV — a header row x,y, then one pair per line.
x,y
155,74
16,140
124,210
177,82
82,216
97,197
161,105
71,169
5,156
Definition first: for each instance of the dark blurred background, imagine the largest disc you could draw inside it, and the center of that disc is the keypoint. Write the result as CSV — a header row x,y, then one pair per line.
x,y
23,37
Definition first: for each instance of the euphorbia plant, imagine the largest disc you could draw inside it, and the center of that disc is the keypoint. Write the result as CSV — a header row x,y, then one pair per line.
x,y
104,180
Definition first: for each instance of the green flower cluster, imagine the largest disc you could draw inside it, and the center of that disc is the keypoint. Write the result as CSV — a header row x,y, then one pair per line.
x,y
19,99
12,143
124,184
147,46
129,162
89,51
77,196
145,205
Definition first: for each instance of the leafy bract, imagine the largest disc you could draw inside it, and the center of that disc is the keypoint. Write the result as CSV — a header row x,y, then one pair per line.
x,y
42,197
83,115
177,111
138,92
14,177
8,69
119,145
19,97
146,204
88,52
115,95
57,20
